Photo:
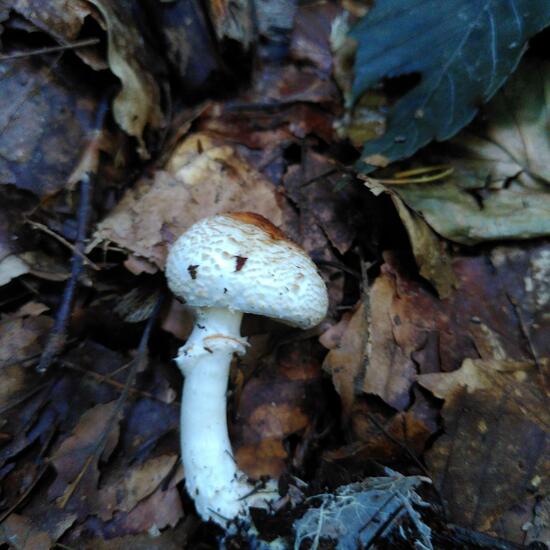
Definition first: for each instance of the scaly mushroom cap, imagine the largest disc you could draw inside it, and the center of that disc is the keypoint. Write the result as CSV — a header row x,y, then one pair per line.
x,y
241,261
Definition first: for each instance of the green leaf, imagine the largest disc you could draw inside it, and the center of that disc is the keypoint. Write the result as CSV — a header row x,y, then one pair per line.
x,y
463,51
500,188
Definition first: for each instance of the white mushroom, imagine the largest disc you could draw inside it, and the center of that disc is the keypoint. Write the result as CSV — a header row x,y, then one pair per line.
x,y
224,266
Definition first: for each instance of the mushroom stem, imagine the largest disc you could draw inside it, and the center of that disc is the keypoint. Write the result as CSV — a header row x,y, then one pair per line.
x,y
220,490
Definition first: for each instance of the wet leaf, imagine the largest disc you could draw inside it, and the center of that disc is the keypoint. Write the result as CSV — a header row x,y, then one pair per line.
x,y
463,52
497,425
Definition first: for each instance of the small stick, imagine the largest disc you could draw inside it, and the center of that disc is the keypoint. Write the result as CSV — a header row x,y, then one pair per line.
x,y
51,49
56,339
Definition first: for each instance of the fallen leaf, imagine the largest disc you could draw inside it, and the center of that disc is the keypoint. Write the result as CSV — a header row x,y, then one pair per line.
x,y
203,177
22,335
46,115
492,455
279,401
390,371
346,362
432,259
75,460
134,484
161,509
137,104
499,188
19,532
454,77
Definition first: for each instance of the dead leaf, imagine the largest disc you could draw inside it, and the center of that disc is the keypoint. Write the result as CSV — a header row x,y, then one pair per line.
x,y
77,471
161,509
390,371
138,102
22,334
203,177
277,403
492,455
346,362
430,252
19,532
134,484
233,21
46,114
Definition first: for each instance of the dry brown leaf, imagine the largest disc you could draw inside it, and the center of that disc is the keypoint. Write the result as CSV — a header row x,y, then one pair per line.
x,y
159,510
429,250
135,484
324,202
377,437
77,471
347,360
277,402
390,371
492,456
203,177
138,102
21,331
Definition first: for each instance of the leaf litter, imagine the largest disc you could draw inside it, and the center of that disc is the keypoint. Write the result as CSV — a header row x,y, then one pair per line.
x,y
433,360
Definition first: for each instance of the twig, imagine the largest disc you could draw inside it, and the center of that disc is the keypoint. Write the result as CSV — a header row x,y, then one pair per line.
x,y
51,49
139,360
63,241
56,338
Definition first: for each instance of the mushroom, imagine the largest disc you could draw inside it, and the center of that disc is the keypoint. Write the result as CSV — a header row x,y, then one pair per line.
x,y
224,266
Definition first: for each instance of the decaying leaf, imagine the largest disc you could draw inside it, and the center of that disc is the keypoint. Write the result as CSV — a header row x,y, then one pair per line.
x,y
20,533
277,403
76,459
138,102
46,114
203,177
346,361
390,369
434,263
499,188
492,455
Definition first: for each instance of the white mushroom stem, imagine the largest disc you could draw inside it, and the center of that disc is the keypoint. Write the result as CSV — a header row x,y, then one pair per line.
x,y
220,490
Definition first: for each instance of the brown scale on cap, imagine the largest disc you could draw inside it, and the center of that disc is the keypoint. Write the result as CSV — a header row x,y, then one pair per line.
x,y
262,223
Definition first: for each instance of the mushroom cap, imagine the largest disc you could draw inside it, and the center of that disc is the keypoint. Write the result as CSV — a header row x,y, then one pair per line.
x,y
242,262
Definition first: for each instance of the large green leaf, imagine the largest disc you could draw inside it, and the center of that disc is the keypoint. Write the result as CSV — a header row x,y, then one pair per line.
x,y
463,51
500,188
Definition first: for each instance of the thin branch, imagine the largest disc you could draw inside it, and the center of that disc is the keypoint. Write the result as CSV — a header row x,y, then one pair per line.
x,y
56,338
63,241
52,49
88,165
